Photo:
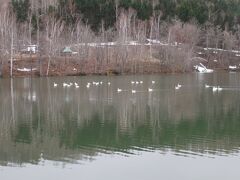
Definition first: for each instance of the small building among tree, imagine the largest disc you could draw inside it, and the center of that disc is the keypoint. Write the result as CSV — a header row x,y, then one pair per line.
x,y
30,49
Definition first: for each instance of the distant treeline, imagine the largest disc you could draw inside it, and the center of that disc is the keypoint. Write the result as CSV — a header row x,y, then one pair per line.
x,y
121,35
96,13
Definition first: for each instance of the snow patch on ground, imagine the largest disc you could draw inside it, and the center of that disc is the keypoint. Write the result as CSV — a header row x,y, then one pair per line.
x,y
202,69
26,69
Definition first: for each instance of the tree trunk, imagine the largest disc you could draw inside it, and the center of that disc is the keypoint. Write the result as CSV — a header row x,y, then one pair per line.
x,y
48,66
11,59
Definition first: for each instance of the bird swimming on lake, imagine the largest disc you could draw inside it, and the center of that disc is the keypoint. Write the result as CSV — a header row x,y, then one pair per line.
x,y
150,90
134,91
153,82
109,83
119,90
55,84
207,86
65,84
217,88
141,82
132,82
178,86
88,85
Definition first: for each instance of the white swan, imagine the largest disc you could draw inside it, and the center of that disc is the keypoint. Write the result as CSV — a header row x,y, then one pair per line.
x,y
207,86
178,86
55,84
215,88
65,84
219,88
134,91
119,90
153,82
150,90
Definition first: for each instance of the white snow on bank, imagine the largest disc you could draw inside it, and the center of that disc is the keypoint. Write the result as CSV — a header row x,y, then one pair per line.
x,y
26,69
233,67
157,42
101,44
223,50
150,42
202,69
126,43
154,41
133,43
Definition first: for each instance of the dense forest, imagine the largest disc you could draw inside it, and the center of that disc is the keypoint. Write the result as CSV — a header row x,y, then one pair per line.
x,y
223,13
55,24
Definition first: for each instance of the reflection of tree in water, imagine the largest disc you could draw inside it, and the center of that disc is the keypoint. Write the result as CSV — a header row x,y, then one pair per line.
x,y
23,134
81,127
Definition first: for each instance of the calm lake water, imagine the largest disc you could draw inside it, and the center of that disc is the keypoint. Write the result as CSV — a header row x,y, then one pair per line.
x,y
49,132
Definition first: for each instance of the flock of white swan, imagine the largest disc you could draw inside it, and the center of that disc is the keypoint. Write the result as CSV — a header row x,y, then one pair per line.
x,y
119,90
214,88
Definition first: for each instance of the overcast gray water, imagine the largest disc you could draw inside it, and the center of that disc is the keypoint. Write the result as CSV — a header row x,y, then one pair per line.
x,y
49,132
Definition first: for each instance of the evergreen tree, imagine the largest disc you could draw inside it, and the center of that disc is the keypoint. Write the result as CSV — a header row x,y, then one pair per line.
x,y
21,9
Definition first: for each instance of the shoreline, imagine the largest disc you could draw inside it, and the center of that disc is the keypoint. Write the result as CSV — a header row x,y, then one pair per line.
x,y
43,68
36,74
60,67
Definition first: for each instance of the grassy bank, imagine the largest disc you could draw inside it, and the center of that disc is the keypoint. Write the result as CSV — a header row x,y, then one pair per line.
x,y
60,66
